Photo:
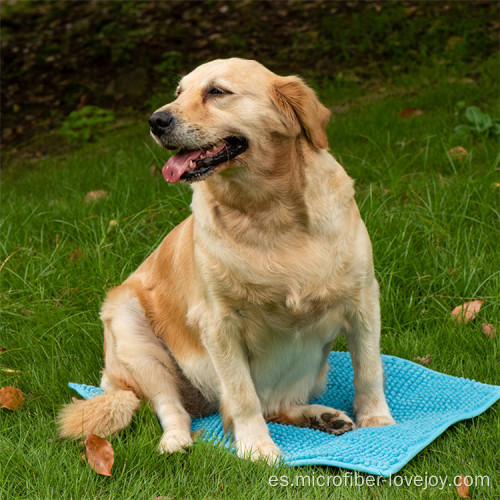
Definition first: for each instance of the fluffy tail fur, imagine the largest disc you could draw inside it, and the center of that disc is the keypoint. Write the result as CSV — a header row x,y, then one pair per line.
x,y
102,415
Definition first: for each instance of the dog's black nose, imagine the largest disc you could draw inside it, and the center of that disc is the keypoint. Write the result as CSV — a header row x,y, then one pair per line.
x,y
160,122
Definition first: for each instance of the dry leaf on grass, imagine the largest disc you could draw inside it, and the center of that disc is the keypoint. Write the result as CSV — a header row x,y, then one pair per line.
x,y
2,349
76,254
425,360
100,454
95,195
462,488
458,153
407,112
467,311
11,398
489,331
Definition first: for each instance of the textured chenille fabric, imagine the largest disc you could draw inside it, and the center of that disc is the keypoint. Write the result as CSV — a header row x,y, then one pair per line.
x,y
423,402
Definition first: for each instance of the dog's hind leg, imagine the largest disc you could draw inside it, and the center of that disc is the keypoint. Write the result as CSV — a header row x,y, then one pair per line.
x,y
136,357
318,417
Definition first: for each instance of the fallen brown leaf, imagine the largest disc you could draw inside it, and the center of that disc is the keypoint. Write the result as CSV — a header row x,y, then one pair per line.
x,y
2,349
458,153
462,488
76,254
467,311
489,330
95,195
407,112
425,360
11,398
100,454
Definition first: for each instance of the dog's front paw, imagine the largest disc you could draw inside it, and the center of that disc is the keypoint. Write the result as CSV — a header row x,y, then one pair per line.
x,y
259,449
335,422
375,421
372,411
175,440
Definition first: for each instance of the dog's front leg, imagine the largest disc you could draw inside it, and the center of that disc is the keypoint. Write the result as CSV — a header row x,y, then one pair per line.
x,y
240,405
363,340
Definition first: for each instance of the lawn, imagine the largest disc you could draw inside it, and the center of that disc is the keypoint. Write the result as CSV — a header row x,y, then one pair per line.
x,y
433,217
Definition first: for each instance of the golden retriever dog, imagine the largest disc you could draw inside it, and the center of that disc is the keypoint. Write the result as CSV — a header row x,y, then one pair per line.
x,y
238,308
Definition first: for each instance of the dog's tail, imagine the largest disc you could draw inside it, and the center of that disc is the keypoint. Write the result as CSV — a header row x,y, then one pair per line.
x,y
103,415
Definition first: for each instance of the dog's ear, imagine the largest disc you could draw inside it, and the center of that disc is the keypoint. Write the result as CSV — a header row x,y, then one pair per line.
x,y
301,109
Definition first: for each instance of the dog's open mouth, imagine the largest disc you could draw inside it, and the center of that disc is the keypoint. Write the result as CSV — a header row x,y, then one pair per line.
x,y
194,165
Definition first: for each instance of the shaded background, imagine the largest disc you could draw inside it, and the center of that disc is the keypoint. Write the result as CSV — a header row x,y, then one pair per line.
x,y
60,56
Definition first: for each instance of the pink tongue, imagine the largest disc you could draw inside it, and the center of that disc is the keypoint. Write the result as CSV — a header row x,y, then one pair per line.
x,y
178,164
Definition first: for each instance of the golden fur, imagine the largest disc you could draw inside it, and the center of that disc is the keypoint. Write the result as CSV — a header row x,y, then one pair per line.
x,y
240,304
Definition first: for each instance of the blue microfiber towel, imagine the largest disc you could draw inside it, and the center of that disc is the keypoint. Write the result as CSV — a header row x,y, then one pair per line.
x,y
423,402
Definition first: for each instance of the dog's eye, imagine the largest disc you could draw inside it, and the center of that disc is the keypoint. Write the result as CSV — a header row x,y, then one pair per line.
x,y
217,91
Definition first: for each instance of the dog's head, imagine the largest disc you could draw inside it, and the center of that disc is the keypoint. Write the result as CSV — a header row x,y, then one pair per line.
x,y
230,113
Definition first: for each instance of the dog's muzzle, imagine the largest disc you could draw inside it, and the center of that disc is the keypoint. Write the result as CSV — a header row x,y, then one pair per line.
x,y
189,164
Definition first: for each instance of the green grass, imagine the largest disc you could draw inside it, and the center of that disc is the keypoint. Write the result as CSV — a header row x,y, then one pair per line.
x,y
434,223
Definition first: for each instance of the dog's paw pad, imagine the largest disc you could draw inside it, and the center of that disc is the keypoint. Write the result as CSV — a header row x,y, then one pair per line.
x,y
334,423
